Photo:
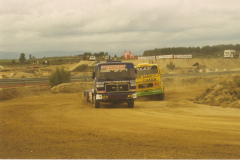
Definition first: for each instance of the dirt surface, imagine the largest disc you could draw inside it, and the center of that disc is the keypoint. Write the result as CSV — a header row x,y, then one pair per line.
x,y
43,125
30,70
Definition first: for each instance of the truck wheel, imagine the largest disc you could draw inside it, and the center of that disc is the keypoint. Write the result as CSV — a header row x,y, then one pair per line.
x,y
161,96
86,97
130,104
96,102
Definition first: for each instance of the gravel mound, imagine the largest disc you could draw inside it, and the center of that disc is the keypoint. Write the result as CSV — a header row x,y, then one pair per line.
x,y
17,92
72,87
226,93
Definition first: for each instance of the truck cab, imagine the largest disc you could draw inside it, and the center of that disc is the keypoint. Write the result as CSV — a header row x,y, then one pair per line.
x,y
148,80
114,81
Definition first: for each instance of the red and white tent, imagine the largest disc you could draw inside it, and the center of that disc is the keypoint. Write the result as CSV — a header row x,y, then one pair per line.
x,y
125,55
131,55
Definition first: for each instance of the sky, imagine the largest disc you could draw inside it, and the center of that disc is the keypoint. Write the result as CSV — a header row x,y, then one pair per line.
x,y
116,25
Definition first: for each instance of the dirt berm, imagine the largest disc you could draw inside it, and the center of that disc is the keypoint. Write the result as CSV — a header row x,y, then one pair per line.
x,y
226,93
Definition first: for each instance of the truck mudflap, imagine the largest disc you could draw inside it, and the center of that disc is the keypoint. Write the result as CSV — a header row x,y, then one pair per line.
x,y
149,92
116,97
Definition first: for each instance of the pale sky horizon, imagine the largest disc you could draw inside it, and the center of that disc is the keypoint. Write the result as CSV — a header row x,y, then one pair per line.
x,y
116,25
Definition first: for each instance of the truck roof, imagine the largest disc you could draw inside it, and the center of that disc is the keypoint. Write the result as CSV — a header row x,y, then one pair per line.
x,y
145,65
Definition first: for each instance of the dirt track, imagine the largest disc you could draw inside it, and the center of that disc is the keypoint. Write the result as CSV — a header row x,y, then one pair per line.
x,y
63,125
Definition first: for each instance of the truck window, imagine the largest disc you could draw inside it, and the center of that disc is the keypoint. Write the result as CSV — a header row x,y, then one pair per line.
x,y
147,70
114,72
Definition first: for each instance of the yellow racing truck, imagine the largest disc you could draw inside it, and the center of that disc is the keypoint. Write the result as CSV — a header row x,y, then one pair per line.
x,y
148,81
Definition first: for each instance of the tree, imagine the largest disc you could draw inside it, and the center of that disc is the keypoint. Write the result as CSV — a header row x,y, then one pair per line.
x,y
87,54
30,57
34,59
22,58
13,62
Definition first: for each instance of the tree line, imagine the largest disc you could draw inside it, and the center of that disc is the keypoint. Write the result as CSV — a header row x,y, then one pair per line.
x,y
23,59
206,50
99,54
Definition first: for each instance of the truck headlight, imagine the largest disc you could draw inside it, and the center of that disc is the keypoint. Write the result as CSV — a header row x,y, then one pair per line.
x,y
100,85
135,95
98,96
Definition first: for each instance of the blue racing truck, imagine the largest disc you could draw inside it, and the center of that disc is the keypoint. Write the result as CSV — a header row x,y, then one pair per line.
x,y
114,82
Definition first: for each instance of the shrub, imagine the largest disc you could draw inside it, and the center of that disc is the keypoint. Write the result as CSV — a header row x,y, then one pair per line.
x,y
59,60
171,65
59,76
208,90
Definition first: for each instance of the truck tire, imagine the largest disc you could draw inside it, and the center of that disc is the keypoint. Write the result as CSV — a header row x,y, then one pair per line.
x,y
131,104
96,102
86,97
161,96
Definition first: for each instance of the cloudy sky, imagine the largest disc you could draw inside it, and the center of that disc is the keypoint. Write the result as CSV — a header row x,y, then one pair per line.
x,y
116,25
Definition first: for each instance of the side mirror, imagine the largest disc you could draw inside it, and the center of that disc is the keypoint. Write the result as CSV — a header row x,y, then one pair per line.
x,y
93,75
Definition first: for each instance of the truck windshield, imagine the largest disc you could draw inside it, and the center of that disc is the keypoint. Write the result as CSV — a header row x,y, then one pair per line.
x,y
113,72
141,71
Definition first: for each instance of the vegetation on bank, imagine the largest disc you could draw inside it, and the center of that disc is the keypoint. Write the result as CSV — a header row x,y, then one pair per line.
x,y
59,76
225,94
171,65
81,68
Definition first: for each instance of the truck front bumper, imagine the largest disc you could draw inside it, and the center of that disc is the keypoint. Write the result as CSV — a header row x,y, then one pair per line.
x,y
149,92
116,97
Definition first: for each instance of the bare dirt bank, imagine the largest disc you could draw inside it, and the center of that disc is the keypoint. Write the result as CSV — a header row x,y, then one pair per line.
x,y
182,65
63,125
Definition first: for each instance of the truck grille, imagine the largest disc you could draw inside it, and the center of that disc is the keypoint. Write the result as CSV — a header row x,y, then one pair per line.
x,y
117,87
145,85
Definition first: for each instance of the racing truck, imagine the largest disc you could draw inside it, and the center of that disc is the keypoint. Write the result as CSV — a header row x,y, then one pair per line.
x,y
114,82
148,81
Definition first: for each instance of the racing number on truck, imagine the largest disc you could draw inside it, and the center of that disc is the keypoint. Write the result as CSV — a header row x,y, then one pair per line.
x,y
144,68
